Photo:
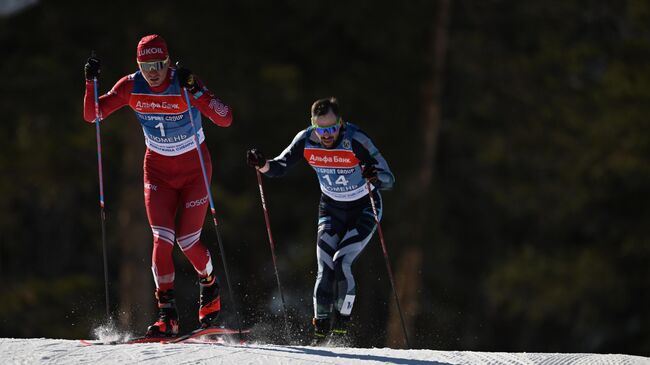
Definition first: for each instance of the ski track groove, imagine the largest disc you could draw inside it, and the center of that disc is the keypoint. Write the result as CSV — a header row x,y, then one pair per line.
x,y
295,360
55,356
212,358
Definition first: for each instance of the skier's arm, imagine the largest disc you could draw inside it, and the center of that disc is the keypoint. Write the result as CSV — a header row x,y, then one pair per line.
x,y
108,103
288,158
210,106
368,154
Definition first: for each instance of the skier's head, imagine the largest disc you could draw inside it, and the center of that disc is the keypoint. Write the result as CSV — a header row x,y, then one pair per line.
x,y
326,120
153,59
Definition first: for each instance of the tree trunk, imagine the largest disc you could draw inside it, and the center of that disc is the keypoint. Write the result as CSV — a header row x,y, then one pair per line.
x,y
408,271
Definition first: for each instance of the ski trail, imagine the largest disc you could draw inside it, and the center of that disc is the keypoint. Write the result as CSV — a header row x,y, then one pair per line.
x,y
49,351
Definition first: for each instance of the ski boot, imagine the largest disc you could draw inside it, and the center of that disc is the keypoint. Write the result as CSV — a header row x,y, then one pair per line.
x,y
341,330
209,301
321,329
167,323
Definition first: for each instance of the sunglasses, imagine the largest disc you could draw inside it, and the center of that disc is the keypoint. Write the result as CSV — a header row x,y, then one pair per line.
x,y
153,65
330,130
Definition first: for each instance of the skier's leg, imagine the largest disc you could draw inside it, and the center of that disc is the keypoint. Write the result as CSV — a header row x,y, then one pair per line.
x,y
194,205
160,202
327,240
192,210
324,287
353,242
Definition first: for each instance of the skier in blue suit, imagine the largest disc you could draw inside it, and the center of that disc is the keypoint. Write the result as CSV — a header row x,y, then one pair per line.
x,y
344,158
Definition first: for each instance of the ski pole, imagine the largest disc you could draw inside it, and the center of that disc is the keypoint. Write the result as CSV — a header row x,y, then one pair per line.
x,y
214,214
390,272
272,244
101,192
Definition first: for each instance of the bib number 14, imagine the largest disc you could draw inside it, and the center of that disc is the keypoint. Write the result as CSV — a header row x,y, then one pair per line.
x,y
341,180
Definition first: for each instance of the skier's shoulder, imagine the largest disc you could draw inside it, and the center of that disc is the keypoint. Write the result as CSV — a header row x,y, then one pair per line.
x,y
302,136
129,78
128,81
358,135
124,86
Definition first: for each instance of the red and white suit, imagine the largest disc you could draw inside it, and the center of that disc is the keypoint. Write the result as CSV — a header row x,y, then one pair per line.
x,y
174,190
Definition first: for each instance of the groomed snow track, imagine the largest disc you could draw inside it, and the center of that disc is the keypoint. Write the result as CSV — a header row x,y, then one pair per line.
x,y
49,351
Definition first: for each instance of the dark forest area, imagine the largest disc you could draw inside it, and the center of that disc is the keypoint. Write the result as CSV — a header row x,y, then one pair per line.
x,y
517,131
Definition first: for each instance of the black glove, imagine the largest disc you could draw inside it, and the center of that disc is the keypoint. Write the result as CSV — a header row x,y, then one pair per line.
x,y
255,158
92,68
369,172
186,79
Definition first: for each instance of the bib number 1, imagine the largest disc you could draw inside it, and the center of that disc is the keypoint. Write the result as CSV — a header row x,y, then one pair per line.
x,y
162,129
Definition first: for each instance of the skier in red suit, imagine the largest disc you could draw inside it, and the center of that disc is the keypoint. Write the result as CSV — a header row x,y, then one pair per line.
x,y
174,190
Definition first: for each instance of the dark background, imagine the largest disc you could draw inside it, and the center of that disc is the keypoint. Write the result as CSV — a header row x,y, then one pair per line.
x,y
518,133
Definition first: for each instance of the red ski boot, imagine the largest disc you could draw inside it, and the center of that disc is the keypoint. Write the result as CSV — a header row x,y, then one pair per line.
x,y
167,323
209,301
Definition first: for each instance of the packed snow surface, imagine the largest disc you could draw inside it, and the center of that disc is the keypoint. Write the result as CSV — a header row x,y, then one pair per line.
x,y
49,351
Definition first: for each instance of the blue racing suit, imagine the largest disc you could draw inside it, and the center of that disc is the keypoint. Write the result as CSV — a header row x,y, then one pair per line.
x,y
345,218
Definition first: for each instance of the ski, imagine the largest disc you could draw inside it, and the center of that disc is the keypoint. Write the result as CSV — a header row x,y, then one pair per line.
x,y
193,335
129,341
208,331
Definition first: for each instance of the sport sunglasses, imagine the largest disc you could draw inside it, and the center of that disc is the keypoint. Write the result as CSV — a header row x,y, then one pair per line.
x,y
330,130
153,65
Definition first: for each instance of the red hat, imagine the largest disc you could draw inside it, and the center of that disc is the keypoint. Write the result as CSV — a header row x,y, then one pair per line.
x,y
152,47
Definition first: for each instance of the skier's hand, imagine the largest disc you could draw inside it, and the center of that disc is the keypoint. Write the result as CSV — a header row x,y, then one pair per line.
x,y
369,172
186,79
255,158
92,68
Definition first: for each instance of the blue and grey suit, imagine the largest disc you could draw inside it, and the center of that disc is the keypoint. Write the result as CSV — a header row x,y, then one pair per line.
x,y
345,218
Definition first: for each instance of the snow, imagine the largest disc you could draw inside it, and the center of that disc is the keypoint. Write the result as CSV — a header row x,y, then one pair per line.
x,y
52,351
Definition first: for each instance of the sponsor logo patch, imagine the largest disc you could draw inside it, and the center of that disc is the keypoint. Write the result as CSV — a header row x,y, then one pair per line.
x,y
330,158
220,108
150,51
157,104
196,203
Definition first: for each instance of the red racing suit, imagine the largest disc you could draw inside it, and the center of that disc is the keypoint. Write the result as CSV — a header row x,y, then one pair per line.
x,y
174,190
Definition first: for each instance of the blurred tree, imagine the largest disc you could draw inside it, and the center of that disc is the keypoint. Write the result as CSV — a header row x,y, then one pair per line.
x,y
537,216
550,140
421,193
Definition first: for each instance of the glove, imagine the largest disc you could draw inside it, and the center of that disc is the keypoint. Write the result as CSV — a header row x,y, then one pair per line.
x,y
255,158
92,68
186,79
369,172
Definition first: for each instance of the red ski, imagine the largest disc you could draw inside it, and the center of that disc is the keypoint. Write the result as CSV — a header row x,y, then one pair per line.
x,y
129,341
208,332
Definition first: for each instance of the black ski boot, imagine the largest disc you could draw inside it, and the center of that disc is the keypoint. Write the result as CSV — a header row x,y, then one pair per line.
x,y
341,330
209,301
167,323
321,329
